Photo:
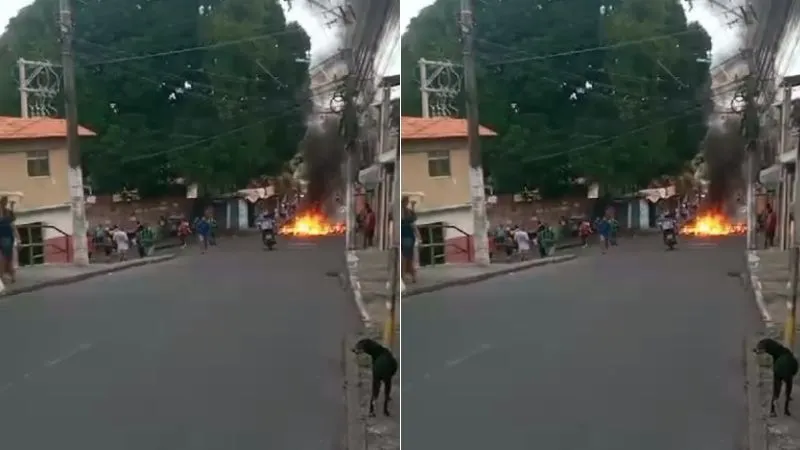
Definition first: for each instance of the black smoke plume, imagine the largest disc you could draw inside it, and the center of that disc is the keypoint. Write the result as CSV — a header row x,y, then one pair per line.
x,y
323,158
724,154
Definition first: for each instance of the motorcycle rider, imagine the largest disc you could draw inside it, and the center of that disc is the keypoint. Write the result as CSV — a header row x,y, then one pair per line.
x,y
669,224
267,225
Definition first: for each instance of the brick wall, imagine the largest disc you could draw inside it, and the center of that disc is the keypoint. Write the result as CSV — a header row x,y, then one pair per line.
x,y
550,211
104,211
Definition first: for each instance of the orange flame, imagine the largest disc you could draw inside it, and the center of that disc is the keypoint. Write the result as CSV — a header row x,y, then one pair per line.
x,y
713,225
311,224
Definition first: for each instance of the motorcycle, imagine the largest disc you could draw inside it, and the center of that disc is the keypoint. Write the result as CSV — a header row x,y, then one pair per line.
x,y
268,238
670,239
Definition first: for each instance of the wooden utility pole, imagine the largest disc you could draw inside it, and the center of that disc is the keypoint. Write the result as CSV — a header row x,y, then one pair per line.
x,y
480,237
74,173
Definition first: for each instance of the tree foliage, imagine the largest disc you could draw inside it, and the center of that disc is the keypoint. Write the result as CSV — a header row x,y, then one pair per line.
x,y
629,109
231,107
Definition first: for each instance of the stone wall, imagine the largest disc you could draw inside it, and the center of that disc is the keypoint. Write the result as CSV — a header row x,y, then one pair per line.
x,y
550,211
106,211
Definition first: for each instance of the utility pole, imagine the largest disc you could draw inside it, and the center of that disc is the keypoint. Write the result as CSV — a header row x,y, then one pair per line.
x,y
423,88
480,229
74,173
791,323
750,130
23,89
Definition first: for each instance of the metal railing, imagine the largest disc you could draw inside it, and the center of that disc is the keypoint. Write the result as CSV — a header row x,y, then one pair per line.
x,y
36,252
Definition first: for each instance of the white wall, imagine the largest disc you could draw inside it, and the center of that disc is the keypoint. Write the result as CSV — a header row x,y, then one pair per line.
x,y
461,218
58,217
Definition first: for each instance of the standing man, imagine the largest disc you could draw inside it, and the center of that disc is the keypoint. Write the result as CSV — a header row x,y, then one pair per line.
x,y
120,238
204,232
770,226
369,226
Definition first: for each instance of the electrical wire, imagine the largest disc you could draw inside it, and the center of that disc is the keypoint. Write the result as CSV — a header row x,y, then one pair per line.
x,y
216,45
613,138
594,49
299,105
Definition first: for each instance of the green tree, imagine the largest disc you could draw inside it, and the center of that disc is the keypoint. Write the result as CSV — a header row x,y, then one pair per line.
x,y
229,109
573,115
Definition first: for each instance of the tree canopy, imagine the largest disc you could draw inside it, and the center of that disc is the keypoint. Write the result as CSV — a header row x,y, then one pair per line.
x,y
616,94
215,94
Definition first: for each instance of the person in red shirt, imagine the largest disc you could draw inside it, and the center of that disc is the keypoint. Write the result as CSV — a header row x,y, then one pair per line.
x,y
770,226
369,226
584,231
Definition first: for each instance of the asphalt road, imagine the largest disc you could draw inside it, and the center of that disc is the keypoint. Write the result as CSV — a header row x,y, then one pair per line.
x,y
636,349
237,349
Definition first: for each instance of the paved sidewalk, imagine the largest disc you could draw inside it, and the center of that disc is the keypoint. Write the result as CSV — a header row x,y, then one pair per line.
x,y
769,277
370,272
33,278
439,277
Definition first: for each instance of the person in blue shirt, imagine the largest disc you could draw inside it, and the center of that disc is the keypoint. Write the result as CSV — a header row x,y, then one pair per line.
x,y
604,231
203,228
7,238
408,238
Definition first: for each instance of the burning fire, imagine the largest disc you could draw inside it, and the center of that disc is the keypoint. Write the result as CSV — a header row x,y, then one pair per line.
x,y
712,225
311,224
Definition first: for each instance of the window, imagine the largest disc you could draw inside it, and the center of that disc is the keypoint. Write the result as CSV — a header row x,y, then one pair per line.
x,y
439,163
39,163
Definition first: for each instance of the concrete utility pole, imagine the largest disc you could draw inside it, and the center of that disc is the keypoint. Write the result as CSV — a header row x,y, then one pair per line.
x,y
786,125
74,174
480,237
750,130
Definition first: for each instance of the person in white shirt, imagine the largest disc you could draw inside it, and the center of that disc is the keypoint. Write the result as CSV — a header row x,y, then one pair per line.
x,y
523,241
120,238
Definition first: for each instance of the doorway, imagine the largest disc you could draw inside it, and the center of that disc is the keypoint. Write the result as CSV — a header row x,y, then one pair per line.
x,y
31,246
432,245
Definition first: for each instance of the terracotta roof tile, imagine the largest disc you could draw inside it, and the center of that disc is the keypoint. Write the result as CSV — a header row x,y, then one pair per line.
x,y
36,128
437,128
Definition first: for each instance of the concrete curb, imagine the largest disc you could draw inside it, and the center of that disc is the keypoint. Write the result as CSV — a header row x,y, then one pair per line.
x,y
411,291
356,426
11,291
355,287
757,435
752,263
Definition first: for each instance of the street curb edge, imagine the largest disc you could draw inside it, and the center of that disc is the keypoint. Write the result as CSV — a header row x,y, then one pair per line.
x,y
356,426
10,292
412,291
757,435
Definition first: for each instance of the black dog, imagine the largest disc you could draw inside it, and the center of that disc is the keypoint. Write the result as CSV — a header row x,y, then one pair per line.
x,y
384,367
784,368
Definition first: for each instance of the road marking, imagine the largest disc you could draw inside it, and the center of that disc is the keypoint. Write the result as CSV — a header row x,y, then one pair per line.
x,y
79,349
454,362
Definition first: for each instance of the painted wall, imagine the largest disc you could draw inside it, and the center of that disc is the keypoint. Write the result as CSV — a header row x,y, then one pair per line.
x,y
439,191
38,192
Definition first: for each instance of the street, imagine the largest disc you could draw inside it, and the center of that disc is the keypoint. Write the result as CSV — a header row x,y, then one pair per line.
x,y
639,348
236,349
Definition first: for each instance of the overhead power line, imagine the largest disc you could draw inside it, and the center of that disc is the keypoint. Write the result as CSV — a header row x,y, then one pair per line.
x,y
220,44
620,44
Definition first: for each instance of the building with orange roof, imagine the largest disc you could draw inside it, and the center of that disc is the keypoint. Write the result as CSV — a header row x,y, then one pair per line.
x,y
435,175
33,173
